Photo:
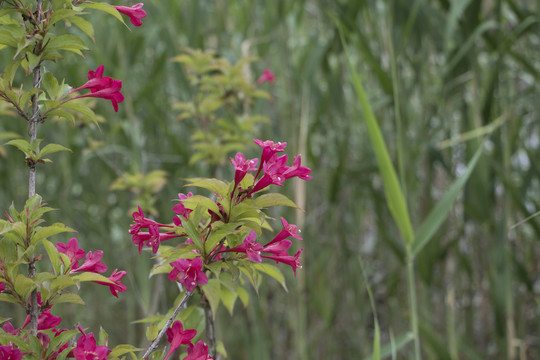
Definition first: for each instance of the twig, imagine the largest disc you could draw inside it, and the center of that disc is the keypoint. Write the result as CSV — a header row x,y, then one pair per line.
x,y
155,343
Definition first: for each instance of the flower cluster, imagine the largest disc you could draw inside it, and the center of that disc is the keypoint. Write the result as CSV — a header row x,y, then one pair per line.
x,y
101,87
92,263
176,336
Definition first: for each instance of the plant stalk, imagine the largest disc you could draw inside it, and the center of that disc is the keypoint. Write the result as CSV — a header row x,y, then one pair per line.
x,y
167,325
210,330
32,129
413,304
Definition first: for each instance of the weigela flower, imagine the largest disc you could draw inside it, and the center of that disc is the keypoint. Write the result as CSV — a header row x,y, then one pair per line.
x,y
242,166
71,249
135,13
292,261
278,248
2,286
142,223
9,329
188,273
92,263
179,208
102,87
46,320
288,230
266,76
269,149
176,335
297,170
250,247
86,348
116,276
199,351
10,352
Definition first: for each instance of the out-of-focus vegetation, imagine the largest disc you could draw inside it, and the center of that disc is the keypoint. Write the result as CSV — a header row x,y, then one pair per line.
x,y
443,77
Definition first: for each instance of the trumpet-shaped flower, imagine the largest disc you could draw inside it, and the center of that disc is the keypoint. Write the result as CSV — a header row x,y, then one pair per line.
x,y
292,261
87,348
199,351
71,249
135,13
116,277
92,263
176,335
10,352
188,273
101,87
269,149
250,247
286,231
266,76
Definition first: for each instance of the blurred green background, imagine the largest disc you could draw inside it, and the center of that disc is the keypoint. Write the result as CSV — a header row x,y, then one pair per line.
x,y
441,76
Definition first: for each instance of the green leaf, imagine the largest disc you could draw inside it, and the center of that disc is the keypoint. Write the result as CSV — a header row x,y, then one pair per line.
x,y
9,298
59,341
123,349
22,145
106,8
195,200
24,286
214,185
272,271
84,25
83,109
61,14
243,295
67,298
212,291
219,231
228,297
68,43
151,332
438,214
50,84
274,199
387,349
90,276
394,196
61,282
51,148
51,230
193,233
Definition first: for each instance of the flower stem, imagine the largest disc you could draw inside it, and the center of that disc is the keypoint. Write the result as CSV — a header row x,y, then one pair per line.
x,y
210,330
32,129
155,343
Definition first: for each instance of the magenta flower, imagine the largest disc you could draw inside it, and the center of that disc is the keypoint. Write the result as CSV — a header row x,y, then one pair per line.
x,y
10,352
46,320
71,249
297,170
292,261
269,149
177,336
179,208
288,230
199,351
92,263
86,348
242,166
2,286
273,169
142,223
101,87
266,76
135,13
250,247
188,273
279,248
9,329
116,276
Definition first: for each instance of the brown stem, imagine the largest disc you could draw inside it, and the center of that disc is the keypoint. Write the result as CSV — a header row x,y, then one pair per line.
x,y
210,330
32,129
155,343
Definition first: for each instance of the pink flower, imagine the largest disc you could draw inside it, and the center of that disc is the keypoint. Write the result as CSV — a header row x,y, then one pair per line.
x,y
297,170
269,148
102,87
179,208
71,249
142,223
199,351
279,248
92,263
188,273
116,276
46,320
288,230
177,336
86,348
266,76
250,247
292,261
242,166
10,352
135,13
9,329
2,286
